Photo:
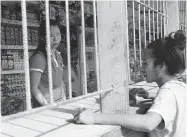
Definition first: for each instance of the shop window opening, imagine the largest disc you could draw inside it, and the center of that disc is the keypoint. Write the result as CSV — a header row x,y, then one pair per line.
x,y
40,40
147,21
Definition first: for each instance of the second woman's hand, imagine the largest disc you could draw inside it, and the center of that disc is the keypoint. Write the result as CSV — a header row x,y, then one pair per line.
x,y
84,117
139,92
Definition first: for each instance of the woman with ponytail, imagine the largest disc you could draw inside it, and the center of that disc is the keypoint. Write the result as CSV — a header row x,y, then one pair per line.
x,y
164,60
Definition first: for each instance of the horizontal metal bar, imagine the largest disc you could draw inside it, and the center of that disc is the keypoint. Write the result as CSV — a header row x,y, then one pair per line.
x,y
35,110
151,8
86,96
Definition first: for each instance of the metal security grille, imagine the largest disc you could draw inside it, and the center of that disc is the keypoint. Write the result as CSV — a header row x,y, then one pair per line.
x,y
182,15
49,65
147,21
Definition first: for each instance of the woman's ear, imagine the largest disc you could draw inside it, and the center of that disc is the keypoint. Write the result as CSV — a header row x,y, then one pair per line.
x,y
161,69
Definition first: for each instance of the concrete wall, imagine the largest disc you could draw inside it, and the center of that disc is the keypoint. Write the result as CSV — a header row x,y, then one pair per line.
x,y
113,55
173,16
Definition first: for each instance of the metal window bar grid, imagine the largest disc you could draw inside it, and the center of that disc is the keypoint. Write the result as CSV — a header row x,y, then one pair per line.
x,y
160,11
52,104
183,27
182,15
150,8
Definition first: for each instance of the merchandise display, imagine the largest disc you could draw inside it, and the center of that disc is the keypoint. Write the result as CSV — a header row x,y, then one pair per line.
x,y
12,49
13,92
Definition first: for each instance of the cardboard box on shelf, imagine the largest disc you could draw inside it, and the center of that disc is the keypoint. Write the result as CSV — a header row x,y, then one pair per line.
x,y
8,39
3,37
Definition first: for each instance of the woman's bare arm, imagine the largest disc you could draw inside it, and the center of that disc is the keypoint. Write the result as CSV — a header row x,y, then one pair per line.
x,y
35,81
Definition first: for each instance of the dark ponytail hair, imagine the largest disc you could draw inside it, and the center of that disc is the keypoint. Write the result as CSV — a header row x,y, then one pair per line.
x,y
170,51
42,29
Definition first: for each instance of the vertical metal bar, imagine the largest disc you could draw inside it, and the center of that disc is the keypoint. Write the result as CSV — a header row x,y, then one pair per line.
x,y
49,51
68,50
0,65
183,6
157,19
83,48
185,15
161,19
26,58
134,38
96,46
145,29
184,11
179,13
149,23
164,17
139,28
153,23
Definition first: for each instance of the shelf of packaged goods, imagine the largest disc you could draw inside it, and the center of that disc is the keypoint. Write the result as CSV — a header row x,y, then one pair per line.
x,y
87,5
89,29
18,47
90,48
12,71
90,70
17,22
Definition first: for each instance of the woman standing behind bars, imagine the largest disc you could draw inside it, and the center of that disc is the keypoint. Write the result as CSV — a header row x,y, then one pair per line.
x,y
39,68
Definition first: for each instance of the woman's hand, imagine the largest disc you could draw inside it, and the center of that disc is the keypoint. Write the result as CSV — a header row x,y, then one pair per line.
x,y
84,116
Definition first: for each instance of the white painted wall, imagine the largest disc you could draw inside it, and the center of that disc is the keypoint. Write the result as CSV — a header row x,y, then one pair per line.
x,y
173,16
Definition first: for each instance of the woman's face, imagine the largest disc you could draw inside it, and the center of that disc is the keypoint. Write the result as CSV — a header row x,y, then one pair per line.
x,y
55,36
150,70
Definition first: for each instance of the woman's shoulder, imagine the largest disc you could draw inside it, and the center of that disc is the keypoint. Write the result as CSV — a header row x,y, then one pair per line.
x,y
38,61
37,55
38,58
174,85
